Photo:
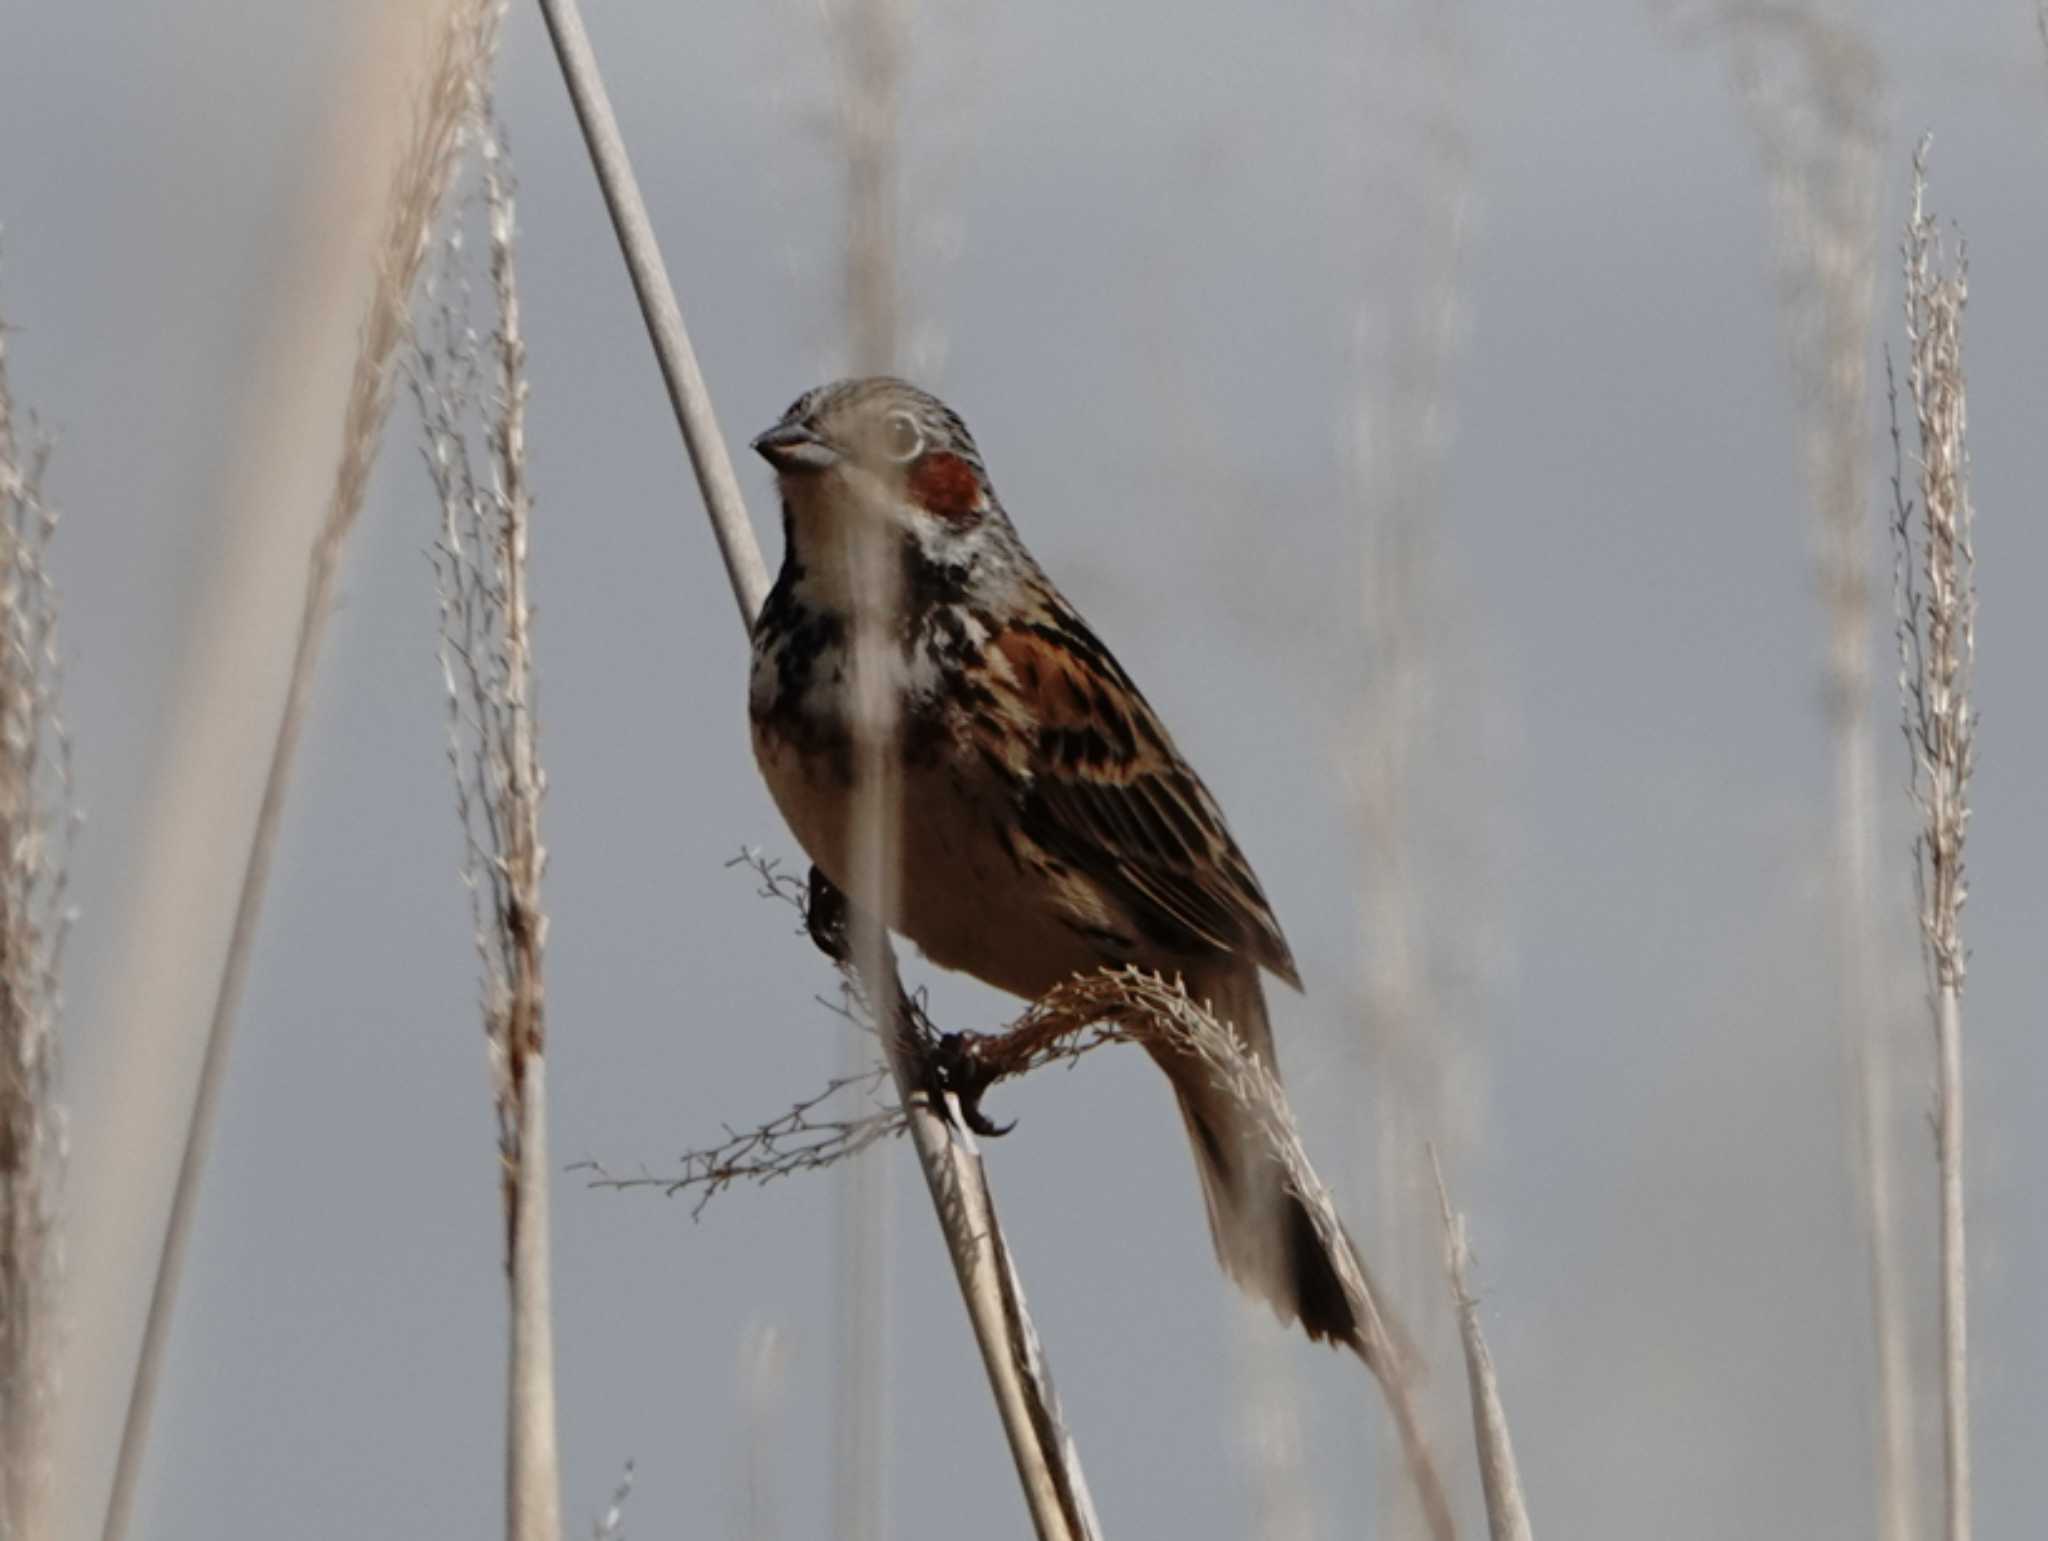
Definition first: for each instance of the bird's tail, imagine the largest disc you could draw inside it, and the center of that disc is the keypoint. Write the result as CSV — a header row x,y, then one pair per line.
x,y
1264,1236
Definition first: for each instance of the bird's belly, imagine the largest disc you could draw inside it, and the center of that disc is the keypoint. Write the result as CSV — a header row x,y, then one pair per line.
x,y
962,896
970,904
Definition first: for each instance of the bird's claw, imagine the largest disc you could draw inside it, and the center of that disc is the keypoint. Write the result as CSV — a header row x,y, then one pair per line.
x,y
952,1068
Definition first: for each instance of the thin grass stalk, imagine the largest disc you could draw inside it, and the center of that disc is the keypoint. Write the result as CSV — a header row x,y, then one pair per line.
x,y
871,40
763,1380
1937,622
1269,1423
1418,1068
869,44
1507,1513
415,200
1811,89
1048,1465
533,1481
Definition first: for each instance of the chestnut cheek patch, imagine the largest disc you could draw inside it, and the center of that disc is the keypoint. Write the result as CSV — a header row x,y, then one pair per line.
x,y
947,485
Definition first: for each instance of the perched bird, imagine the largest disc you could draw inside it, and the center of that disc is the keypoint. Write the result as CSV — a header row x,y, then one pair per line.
x,y
1049,826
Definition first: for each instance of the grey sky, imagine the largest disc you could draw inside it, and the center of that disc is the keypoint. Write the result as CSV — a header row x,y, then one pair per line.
x,y
1141,194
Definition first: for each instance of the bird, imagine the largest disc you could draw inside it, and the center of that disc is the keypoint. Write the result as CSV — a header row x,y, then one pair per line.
x,y
1049,826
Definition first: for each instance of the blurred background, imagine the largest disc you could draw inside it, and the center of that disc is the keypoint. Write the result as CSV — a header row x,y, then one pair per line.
x,y
1431,403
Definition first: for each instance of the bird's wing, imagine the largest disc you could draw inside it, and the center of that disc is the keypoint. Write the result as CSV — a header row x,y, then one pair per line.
x,y
1103,789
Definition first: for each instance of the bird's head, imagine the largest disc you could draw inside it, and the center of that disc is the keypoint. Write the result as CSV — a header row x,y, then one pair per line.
x,y
873,459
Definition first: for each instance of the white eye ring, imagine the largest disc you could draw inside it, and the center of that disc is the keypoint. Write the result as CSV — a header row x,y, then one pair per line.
x,y
905,439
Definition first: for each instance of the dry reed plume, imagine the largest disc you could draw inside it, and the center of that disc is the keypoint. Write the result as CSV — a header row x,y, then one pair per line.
x,y
36,826
1936,594
473,390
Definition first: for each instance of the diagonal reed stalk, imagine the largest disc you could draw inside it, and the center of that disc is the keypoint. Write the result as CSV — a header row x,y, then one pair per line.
x,y
415,198
1048,1466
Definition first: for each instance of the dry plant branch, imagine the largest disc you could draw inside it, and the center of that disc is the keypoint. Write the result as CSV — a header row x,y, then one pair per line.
x,y
1936,601
467,38
1048,1466
37,823
474,389
806,1138
1507,1515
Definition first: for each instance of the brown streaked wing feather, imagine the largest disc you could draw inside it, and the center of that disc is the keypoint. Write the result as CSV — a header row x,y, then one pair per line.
x,y
1105,790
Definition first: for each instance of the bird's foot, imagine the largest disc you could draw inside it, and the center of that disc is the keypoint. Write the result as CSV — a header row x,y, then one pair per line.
x,y
952,1066
825,913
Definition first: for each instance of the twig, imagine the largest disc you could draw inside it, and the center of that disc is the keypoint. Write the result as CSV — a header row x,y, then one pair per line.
x,y
1048,1466
1507,1516
791,1142
1937,618
415,198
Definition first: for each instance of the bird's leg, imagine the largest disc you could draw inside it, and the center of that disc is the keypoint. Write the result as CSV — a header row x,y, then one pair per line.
x,y
944,1062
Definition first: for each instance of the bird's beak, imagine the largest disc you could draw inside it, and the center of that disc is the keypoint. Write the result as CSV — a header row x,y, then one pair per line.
x,y
792,449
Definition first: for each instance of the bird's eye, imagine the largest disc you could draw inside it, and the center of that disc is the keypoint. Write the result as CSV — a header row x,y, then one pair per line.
x,y
901,437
